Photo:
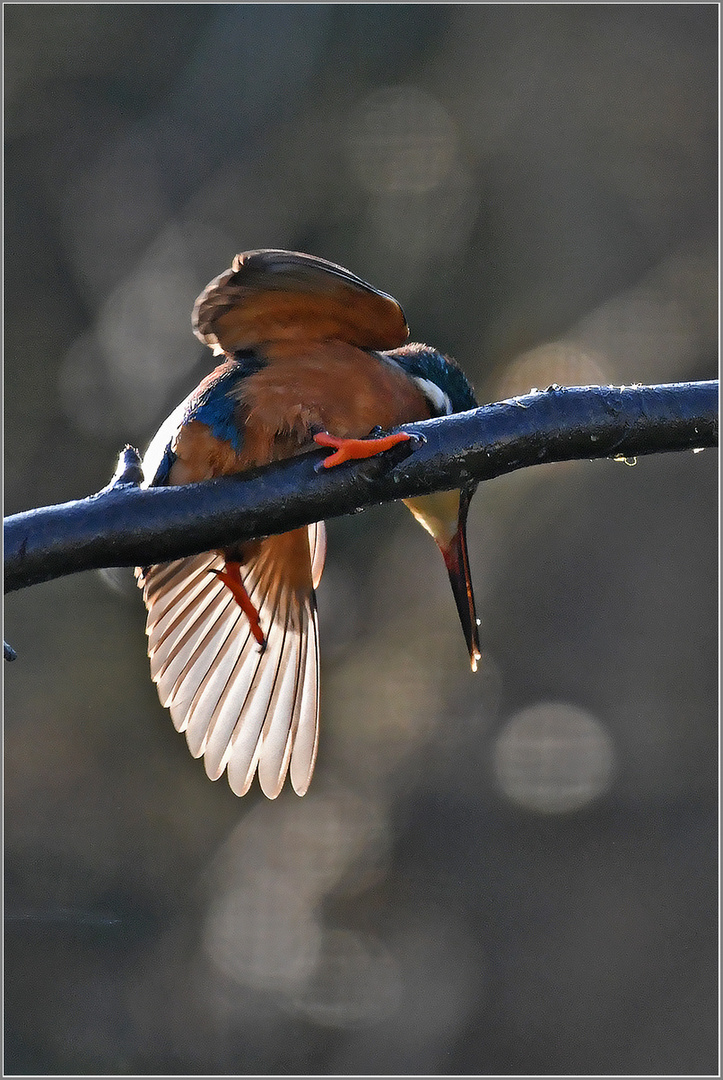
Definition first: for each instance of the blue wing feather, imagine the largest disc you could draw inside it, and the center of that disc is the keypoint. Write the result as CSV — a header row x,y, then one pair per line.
x,y
212,403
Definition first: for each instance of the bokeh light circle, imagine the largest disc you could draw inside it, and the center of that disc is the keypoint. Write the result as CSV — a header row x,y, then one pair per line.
x,y
553,758
401,139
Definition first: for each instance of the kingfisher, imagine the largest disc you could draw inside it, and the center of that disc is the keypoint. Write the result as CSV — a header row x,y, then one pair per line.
x,y
312,356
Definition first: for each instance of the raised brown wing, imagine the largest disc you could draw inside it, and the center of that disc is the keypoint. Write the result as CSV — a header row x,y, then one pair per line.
x,y
271,295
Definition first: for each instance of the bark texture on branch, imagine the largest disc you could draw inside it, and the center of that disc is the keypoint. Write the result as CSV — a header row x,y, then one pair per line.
x,y
126,526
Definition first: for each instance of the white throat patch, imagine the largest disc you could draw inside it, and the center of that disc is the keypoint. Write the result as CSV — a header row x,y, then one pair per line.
x,y
437,397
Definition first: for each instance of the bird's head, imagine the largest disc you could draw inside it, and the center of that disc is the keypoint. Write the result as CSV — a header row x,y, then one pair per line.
x,y
444,514
440,379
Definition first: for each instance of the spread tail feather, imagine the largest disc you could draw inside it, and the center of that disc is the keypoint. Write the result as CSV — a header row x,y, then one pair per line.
x,y
245,710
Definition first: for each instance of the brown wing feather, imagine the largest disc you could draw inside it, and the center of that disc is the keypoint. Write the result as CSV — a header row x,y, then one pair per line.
x,y
272,295
243,710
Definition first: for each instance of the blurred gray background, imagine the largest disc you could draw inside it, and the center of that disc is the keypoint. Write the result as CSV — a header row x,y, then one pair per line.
x,y
513,872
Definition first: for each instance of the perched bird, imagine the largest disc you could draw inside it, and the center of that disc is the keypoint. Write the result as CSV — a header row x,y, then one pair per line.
x,y
312,355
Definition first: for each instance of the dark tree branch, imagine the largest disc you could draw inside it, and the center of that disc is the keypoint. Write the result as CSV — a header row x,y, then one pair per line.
x,y
126,526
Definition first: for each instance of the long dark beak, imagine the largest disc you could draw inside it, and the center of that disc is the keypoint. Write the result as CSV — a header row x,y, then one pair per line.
x,y
444,515
457,562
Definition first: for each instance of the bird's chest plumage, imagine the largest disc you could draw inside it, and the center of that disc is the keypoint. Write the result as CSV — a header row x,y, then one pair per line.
x,y
292,392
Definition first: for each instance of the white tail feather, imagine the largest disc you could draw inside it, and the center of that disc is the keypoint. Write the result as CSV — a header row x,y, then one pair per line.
x,y
244,709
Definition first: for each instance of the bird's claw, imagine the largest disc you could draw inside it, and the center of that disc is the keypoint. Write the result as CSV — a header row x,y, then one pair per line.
x,y
357,449
231,577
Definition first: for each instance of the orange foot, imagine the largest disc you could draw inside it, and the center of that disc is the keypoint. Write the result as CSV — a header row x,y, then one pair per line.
x,y
353,449
231,577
